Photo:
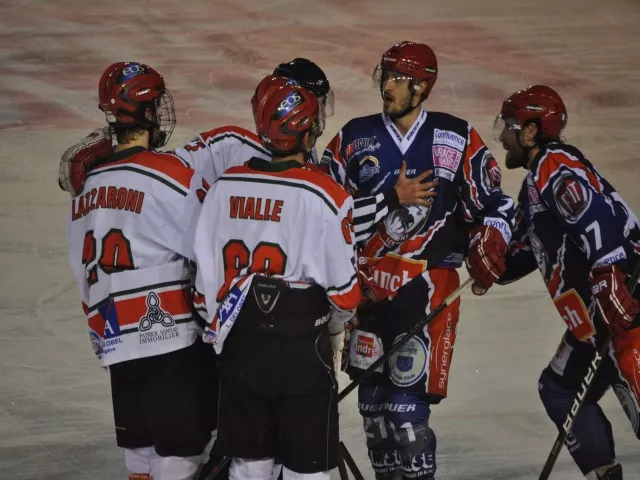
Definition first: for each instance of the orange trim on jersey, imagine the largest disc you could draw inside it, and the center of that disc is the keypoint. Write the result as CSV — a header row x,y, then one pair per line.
x,y
550,164
206,136
164,163
556,276
130,311
347,300
334,148
311,175
174,302
474,146
442,329
198,298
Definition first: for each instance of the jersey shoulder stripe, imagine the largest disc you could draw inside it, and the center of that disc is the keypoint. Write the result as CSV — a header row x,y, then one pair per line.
x,y
556,156
238,133
165,168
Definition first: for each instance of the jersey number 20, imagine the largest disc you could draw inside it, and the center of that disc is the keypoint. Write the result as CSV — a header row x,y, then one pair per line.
x,y
115,254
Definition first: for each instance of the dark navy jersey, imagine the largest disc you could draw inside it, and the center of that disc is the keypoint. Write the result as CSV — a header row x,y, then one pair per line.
x,y
569,220
366,156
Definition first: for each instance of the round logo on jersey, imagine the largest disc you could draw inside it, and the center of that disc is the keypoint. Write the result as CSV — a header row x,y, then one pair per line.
x,y
409,364
405,222
96,343
369,166
572,197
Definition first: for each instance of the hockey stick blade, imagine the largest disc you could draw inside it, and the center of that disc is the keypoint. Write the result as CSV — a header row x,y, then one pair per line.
x,y
578,401
416,328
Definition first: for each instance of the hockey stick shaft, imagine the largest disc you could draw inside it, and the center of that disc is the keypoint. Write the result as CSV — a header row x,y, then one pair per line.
x,y
416,328
578,401
357,475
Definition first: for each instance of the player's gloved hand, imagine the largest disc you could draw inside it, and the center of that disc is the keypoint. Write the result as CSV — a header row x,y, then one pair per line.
x,y
415,191
486,258
348,328
619,308
76,159
336,336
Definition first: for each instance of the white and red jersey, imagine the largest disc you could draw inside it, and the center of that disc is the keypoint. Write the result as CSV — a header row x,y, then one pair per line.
x,y
214,152
282,219
130,236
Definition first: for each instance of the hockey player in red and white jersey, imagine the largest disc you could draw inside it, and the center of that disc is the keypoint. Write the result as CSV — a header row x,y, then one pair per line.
x,y
130,233
276,262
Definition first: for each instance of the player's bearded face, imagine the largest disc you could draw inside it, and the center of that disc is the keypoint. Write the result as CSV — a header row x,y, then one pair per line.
x,y
506,133
396,94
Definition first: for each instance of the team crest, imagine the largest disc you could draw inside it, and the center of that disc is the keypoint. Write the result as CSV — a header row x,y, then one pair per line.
x,y
369,166
155,314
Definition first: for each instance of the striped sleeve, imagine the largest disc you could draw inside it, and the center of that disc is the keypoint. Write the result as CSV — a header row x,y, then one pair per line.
x,y
483,200
575,194
337,263
212,153
368,211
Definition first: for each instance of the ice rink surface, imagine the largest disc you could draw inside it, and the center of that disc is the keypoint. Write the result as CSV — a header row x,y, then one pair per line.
x,y
55,410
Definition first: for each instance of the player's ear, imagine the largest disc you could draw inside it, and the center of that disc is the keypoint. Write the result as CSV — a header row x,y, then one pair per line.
x,y
419,89
530,132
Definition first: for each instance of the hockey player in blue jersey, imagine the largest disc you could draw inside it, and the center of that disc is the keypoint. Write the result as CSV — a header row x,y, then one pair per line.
x,y
577,230
409,260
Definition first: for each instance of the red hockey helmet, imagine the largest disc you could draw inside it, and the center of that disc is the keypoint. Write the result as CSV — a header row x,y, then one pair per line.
x,y
128,91
284,115
535,102
263,87
415,60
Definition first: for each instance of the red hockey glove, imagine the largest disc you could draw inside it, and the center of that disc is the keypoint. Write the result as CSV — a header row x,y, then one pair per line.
x,y
76,159
618,307
485,261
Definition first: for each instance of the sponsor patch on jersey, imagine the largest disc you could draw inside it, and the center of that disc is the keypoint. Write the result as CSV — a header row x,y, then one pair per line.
x,y
409,364
364,349
96,343
491,173
446,158
369,166
155,314
359,145
444,173
611,258
575,315
449,138
572,197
